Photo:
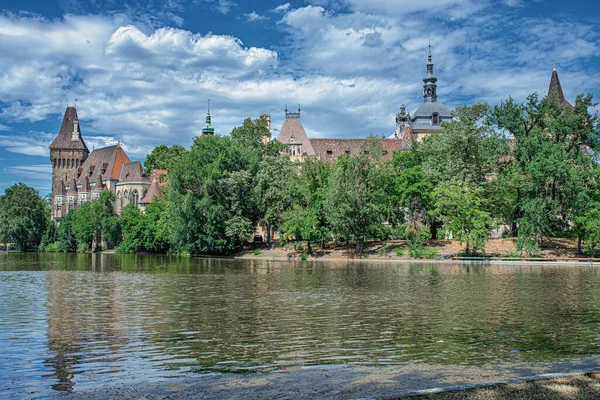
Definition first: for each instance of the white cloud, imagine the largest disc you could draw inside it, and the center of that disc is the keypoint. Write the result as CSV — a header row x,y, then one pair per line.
x,y
282,8
38,172
254,16
31,143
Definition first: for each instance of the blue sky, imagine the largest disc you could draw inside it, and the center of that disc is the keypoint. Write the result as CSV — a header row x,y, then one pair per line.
x,y
142,70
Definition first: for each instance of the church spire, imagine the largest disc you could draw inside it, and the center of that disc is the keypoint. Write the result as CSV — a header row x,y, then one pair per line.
x,y
555,88
208,128
429,82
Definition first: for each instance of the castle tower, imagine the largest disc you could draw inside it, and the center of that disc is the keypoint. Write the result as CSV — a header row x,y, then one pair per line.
x,y
208,128
68,151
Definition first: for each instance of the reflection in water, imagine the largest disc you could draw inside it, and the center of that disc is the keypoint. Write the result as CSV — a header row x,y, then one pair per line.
x,y
73,322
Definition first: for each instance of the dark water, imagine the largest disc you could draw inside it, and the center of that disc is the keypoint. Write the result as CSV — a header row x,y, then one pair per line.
x,y
75,322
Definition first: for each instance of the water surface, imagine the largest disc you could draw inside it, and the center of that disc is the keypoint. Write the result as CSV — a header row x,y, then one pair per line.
x,y
75,322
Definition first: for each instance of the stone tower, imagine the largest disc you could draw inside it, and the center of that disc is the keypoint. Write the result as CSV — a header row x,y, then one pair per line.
x,y
429,82
68,151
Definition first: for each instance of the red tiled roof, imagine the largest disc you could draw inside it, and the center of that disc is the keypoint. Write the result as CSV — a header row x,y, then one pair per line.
x,y
331,149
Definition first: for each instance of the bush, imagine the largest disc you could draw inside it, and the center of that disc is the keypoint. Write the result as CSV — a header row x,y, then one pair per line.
x,y
383,249
304,256
256,252
54,247
399,251
417,251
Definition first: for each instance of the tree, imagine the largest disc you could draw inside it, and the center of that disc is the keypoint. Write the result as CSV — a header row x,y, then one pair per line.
x,y
94,222
204,218
23,217
468,149
163,157
554,156
356,196
272,191
411,192
461,209
65,235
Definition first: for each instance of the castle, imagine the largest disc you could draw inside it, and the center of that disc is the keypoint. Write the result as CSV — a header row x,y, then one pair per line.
x,y
79,176
425,121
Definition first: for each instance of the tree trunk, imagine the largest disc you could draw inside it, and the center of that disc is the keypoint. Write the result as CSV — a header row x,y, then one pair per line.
x,y
268,228
579,244
433,230
359,246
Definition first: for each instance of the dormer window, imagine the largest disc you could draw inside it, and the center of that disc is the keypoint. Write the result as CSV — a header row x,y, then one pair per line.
x,y
435,119
329,153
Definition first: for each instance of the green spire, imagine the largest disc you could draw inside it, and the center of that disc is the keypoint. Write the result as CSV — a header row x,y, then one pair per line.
x,y
208,128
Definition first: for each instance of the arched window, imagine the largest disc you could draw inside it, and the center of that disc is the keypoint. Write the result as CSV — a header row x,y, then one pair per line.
x,y
435,119
136,198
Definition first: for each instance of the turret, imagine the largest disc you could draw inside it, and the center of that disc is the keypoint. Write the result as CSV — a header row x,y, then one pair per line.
x,y
98,187
429,82
72,194
208,128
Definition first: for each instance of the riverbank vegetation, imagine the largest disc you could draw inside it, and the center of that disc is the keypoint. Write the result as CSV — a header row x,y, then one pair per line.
x,y
526,170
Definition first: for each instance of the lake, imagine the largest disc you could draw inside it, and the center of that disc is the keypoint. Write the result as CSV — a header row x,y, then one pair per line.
x,y
71,322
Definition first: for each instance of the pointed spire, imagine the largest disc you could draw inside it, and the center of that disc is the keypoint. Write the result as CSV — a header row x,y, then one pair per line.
x,y
73,187
60,189
555,89
85,185
98,186
69,136
429,82
208,128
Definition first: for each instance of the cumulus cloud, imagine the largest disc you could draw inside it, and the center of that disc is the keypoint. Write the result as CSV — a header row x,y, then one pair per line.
x,y
254,16
350,63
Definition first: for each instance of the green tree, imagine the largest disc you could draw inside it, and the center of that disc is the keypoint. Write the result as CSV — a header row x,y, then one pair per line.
x,y
203,217
65,236
23,217
273,191
555,150
461,209
163,157
468,148
94,222
356,198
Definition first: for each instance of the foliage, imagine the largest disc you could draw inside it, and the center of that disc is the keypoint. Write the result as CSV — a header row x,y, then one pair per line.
x,y
163,157
461,209
95,222
23,217
356,198
65,235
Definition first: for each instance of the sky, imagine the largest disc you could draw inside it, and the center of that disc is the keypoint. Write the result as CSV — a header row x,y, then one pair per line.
x,y
142,71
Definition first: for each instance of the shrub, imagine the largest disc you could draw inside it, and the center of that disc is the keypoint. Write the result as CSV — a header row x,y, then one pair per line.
x,y
383,249
417,251
304,256
399,251
256,252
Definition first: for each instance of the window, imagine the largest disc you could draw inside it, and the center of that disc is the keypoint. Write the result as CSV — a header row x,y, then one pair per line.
x,y
347,152
329,153
435,119
136,198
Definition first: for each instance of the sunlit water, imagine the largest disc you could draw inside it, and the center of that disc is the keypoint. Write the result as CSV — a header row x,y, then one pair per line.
x,y
75,322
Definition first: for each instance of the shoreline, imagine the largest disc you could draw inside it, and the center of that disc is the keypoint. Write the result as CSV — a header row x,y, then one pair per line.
x,y
479,262
339,382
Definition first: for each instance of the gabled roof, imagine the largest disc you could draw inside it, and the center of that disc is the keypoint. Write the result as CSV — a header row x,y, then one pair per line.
x,y
85,185
133,172
292,127
73,187
60,189
153,191
106,161
98,186
64,140
556,89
